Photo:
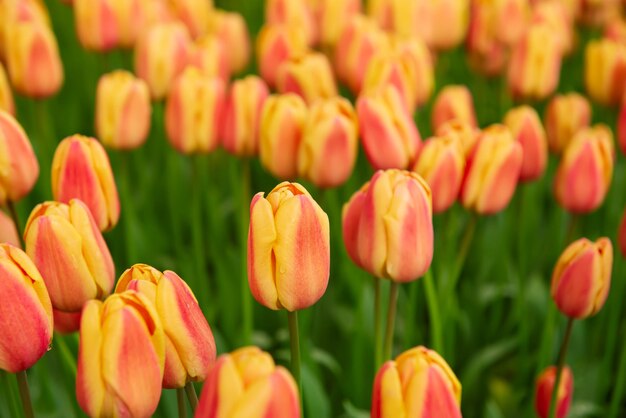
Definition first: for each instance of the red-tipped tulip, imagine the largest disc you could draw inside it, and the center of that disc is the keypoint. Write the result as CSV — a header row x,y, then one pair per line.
x,y
526,127
276,44
309,75
453,102
566,114
544,386
605,69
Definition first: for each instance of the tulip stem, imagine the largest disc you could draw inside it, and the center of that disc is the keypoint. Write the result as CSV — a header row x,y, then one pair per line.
x,y
245,221
559,367
192,396
180,397
294,337
378,324
433,311
618,390
66,353
16,221
571,229
391,319
22,382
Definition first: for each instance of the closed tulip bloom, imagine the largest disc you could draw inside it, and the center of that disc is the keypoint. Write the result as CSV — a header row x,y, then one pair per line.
x,y
208,53
544,386
6,95
231,29
121,356
418,383
605,67
309,75
288,248
193,112
330,143
247,383
97,23
242,118
25,311
66,322
8,231
295,14
565,115
526,128
621,235
582,277
19,168
585,171
388,132
388,226
282,123
195,14
554,15
492,171
453,102
333,15
67,247
456,15
467,134
275,44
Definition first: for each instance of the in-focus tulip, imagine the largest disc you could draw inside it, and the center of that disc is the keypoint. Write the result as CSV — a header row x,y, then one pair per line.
x,y
66,322
492,171
389,134
453,102
123,110
288,248
296,14
195,14
388,226
309,75
582,277
81,170
330,143
419,383
25,311
605,71
565,115
19,168
282,123
526,128
8,231
247,383
231,29
468,135
67,247
120,357
333,15
585,171
544,386
208,53
6,96
193,112
276,44
189,343
621,235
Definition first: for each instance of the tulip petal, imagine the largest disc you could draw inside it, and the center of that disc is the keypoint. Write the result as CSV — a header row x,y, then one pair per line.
x,y
261,257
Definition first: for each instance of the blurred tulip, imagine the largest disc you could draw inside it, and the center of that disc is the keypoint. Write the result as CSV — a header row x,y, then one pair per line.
x,y
68,249
123,110
333,16
544,386
25,311
582,277
565,115
231,29
309,75
6,95
621,235
467,134
19,168
208,54
554,15
420,384
492,171
453,102
605,71
282,122
66,322
121,355
330,143
246,383
81,170
526,127
616,30
293,13
451,34
193,112
598,12
8,231
275,45
585,171
388,132
195,14
388,226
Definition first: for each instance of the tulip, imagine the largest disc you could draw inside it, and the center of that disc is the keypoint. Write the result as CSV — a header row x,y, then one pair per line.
x,y
189,343
67,247
468,135
582,277
388,226
454,102
456,15
554,15
526,127
81,170
492,171
544,386
333,16
389,135
242,116
193,112
66,322
288,248
605,66
208,53
585,171
231,29
8,230
247,383
6,96
195,14
329,144
19,169
598,12
621,235
296,14
101,24
616,30
25,311
419,383
308,75
282,122
275,45
122,110
121,356
565,115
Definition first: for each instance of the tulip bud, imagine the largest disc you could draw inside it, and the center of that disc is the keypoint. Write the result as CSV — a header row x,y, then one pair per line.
x,y
308,75
621,235
544,386
333,16
526,128
68,249
566,114
19,169
420,384
25,311
66,322
467,134
6,96
295,14
195,14
282,122
247,383
389,135
275,45
98,22
492,171
585,171
582,277
231,29
193,112
288,248
81,170
456,15
605,65
122,110
208,54
120,357
8,231
329,144
388,226
454,102
554,15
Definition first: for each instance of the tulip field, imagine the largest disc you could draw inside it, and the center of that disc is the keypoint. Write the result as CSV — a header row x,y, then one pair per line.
x,y
313,208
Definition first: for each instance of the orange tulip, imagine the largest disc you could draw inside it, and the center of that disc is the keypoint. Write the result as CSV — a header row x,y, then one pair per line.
x,y
308,75
453,102
554,15
276,44
565,115
195,14
209,54
526,127
456,15
231,29
332,16
605,71
296,14
6,95
544,386
467,134
66,322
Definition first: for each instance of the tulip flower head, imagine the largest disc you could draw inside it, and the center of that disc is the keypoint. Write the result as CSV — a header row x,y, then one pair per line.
x,y
333,16
468,135
275,45
526,127
309,75
295,14
66,322
231,29
544,386
605,66
209,54
566,114
195,14
454,102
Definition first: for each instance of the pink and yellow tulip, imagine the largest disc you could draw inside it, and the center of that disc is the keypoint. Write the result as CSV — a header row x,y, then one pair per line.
x,y
544,386
526,127
195,14
453,102
309,75
276,44
566,114
231,29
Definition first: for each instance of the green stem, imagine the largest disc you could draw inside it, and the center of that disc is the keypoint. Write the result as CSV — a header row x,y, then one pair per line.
x,y
571,229
433,311
66,354
466,242
128,211
16,221
22,382
378,323
559,367
197,226
192,396
246,300
618,390
295,348
180,398
391,319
